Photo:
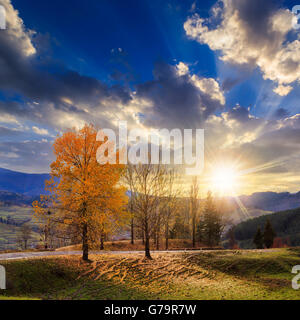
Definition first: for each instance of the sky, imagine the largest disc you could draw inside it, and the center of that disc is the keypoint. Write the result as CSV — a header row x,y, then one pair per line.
x,y
229,67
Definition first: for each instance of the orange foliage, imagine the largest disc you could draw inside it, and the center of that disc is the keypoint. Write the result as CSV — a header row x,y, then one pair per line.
x,y
281,242
83,193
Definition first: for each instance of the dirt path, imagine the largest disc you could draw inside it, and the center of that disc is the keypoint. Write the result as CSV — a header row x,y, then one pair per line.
x,y
27,255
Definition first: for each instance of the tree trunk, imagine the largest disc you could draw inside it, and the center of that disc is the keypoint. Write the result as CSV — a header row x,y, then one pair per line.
x,y
132,232
85,245
167,236
102,241
194,231
147,242
46,237
147,248
157,237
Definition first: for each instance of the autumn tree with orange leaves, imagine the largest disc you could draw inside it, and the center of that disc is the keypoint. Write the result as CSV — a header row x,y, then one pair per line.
x,y
83,194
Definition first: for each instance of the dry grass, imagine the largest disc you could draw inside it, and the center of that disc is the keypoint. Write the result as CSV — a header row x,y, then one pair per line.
x,y
164,267
192,275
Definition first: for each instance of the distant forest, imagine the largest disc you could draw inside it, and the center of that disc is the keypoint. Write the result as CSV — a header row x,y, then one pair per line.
x,y
286,224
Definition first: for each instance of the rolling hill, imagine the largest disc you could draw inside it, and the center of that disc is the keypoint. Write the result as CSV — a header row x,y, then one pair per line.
x,y
8,198
24,183
272,201
285,223
31,185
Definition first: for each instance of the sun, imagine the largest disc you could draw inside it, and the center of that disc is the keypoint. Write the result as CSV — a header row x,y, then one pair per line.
x,y
224,180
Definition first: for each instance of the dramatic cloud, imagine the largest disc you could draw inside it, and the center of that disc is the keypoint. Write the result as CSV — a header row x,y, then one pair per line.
x,y
37,102
178,98
281,113
15,37
17,155
248,33
46,96
266,149
48,102
67,98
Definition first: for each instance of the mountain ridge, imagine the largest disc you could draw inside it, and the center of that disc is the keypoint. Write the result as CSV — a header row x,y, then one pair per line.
x,y
28,184
33,184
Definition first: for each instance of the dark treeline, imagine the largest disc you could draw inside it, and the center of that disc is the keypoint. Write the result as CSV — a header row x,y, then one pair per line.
x,y
286,225
11,222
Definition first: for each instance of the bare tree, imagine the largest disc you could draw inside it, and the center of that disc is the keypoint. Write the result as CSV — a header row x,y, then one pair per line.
x,y
157,225
47,230
147,185
24,235
194,207
131,211
172,202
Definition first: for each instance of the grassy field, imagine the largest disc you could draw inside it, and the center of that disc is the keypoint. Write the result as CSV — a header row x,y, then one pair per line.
x,y
217,275
9,233
17,213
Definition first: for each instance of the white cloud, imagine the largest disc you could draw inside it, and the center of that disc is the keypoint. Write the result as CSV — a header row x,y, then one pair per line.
x,y
210,87
283,90
9,155
15,31
182,69
207,86
256,41
8,118
39,131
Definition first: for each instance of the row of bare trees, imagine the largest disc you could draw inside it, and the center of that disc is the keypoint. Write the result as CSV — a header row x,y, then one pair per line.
x,y
156,199
153,197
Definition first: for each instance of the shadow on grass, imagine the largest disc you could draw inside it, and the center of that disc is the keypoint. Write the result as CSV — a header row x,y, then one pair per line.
x,y
56,279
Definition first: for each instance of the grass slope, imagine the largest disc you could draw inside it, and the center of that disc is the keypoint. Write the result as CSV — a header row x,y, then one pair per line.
x,y
9,233
206,275
17,213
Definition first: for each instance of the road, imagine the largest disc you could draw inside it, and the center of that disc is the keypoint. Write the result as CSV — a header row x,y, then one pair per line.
x,y
28,255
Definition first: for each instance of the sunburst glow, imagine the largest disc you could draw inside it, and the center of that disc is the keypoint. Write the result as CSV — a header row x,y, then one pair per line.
x,y
224,180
